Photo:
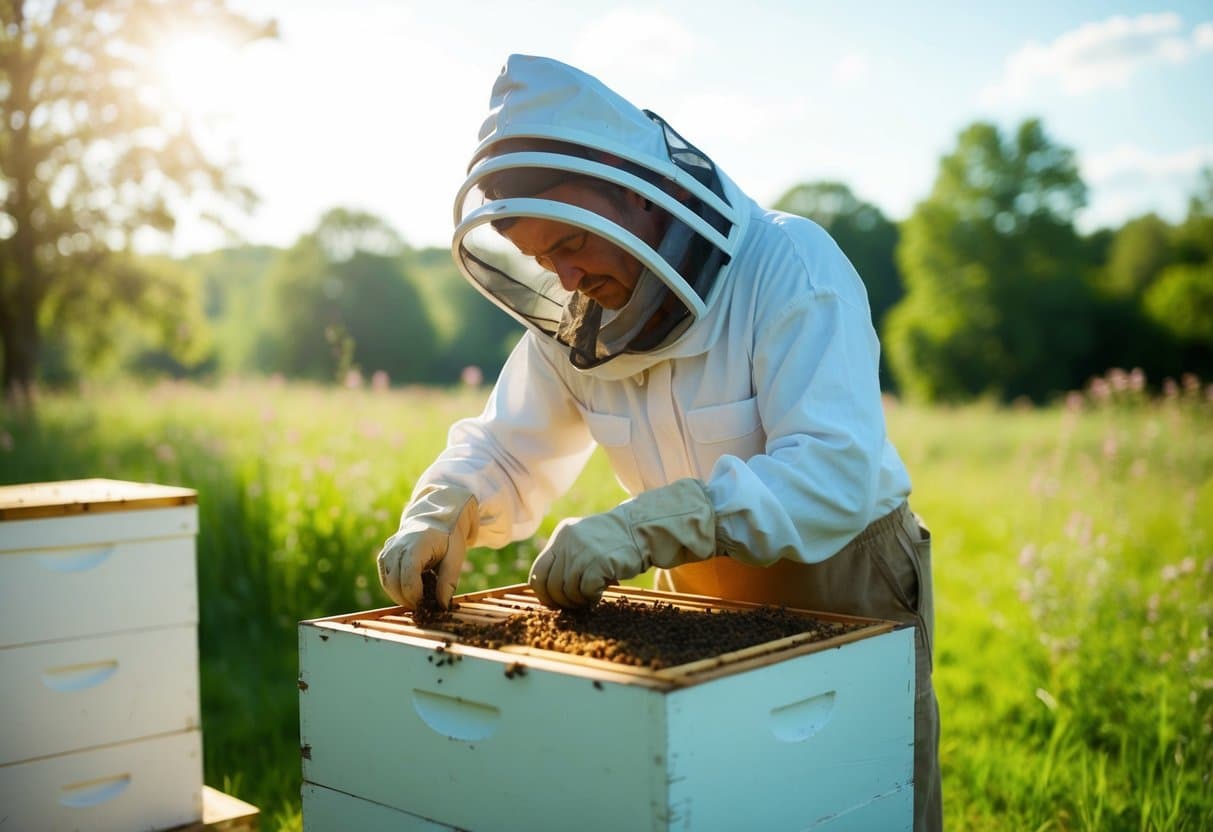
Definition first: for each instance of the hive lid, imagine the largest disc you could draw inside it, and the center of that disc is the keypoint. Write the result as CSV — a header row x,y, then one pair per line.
x,y
495,605
91,496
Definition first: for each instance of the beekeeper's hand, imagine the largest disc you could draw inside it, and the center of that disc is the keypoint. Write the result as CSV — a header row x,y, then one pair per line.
x,y
665,527
434,534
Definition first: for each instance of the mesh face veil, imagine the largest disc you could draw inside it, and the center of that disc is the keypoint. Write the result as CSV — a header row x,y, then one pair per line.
x,y
628,213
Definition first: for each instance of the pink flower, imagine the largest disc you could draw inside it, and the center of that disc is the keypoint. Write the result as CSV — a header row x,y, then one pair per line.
x,y
472,376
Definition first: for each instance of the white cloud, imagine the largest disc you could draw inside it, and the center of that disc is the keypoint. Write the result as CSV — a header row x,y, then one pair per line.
x,y
1102,54
1128,181
1202,36
1129,162
851,68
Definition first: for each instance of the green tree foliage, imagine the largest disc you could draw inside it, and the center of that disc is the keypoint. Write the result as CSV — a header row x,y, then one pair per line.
x,y
233,294
1194,237
866,236
1180,301
339,298
1140,250
997,296
472,331
146,316
89,154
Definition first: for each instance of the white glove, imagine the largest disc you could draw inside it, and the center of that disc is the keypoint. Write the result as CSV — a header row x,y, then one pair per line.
x,y
434,534
665,527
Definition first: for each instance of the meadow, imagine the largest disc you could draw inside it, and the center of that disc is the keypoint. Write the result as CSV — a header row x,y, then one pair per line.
x,y
1073,568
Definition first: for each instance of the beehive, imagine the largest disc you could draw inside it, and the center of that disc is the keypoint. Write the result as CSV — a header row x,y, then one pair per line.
x,y
403,728
98,656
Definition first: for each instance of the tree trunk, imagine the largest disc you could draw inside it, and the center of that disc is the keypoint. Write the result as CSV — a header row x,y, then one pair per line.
x,y
21,280
21,344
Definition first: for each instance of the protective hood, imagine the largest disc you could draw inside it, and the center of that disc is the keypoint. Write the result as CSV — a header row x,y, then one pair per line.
x,y
553,134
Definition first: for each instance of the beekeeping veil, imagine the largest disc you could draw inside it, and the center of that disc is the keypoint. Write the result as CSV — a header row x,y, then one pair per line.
x,y
548,124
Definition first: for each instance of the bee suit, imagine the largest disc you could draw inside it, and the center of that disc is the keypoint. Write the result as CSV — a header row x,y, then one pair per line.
x,y
746,423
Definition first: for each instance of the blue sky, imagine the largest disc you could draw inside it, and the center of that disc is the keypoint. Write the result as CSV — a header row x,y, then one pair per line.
x,y
375,104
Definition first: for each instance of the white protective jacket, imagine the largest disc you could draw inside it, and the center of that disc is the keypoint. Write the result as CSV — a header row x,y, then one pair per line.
x,y
770,397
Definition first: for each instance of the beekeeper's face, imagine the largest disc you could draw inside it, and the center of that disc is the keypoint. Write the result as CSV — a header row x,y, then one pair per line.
x,y
584,262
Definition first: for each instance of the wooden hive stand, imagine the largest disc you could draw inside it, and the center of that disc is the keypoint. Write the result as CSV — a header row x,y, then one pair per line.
x,y
222,813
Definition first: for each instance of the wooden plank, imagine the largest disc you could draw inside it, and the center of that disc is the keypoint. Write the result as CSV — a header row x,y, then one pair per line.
x,y
494,605
90,496
799,650
223,813
769,652
639,593
404,629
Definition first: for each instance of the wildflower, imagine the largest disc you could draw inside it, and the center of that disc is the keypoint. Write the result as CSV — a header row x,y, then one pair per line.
x,y
380,381
472,376
1119,379
1100,390
1027,555
352,380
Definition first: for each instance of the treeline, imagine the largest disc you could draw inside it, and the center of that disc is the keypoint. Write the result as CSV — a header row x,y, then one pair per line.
x,y
987,289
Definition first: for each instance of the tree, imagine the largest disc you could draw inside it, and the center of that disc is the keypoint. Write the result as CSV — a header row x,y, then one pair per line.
x,y
233,287
1180,301
339,298
471,330
89,155
997,296
1140,250
863,233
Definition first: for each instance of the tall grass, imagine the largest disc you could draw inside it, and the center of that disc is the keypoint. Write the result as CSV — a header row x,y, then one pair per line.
x,y
1073,567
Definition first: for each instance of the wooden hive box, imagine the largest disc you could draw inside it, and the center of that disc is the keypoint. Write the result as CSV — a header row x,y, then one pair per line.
x,y
99,656
402,728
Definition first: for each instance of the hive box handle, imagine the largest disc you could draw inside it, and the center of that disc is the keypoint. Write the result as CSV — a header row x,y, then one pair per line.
x,y
93,792
71,677
77,560
456,717
800,720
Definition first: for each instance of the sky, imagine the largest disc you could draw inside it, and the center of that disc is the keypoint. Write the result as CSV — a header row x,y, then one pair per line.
x,y
375,105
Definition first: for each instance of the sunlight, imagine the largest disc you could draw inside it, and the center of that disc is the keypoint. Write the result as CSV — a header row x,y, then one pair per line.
x,y
197,73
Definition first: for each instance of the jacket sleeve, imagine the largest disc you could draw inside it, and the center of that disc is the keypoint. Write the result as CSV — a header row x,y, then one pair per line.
x,y
815,374
524,450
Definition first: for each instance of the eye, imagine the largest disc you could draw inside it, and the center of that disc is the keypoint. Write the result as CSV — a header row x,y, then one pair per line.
x,y
571,246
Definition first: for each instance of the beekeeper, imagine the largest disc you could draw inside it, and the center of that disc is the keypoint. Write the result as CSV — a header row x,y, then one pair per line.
x,y
722,354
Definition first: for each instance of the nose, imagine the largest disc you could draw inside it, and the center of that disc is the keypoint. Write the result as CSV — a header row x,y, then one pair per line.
x,y
570,276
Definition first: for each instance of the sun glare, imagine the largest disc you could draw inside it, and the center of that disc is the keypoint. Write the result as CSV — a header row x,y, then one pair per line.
x,y
197,73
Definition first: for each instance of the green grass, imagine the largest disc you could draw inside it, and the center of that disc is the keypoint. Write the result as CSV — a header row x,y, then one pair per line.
x,y
1073,568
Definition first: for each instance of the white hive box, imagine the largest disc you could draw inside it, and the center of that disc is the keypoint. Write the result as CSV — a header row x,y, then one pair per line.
x,y
403,729
99,656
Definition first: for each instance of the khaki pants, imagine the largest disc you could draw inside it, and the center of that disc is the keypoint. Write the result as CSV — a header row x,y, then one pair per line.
x,y
885,572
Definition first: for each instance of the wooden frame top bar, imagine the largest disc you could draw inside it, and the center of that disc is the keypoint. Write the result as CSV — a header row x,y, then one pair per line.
x,y
30,501
495,605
